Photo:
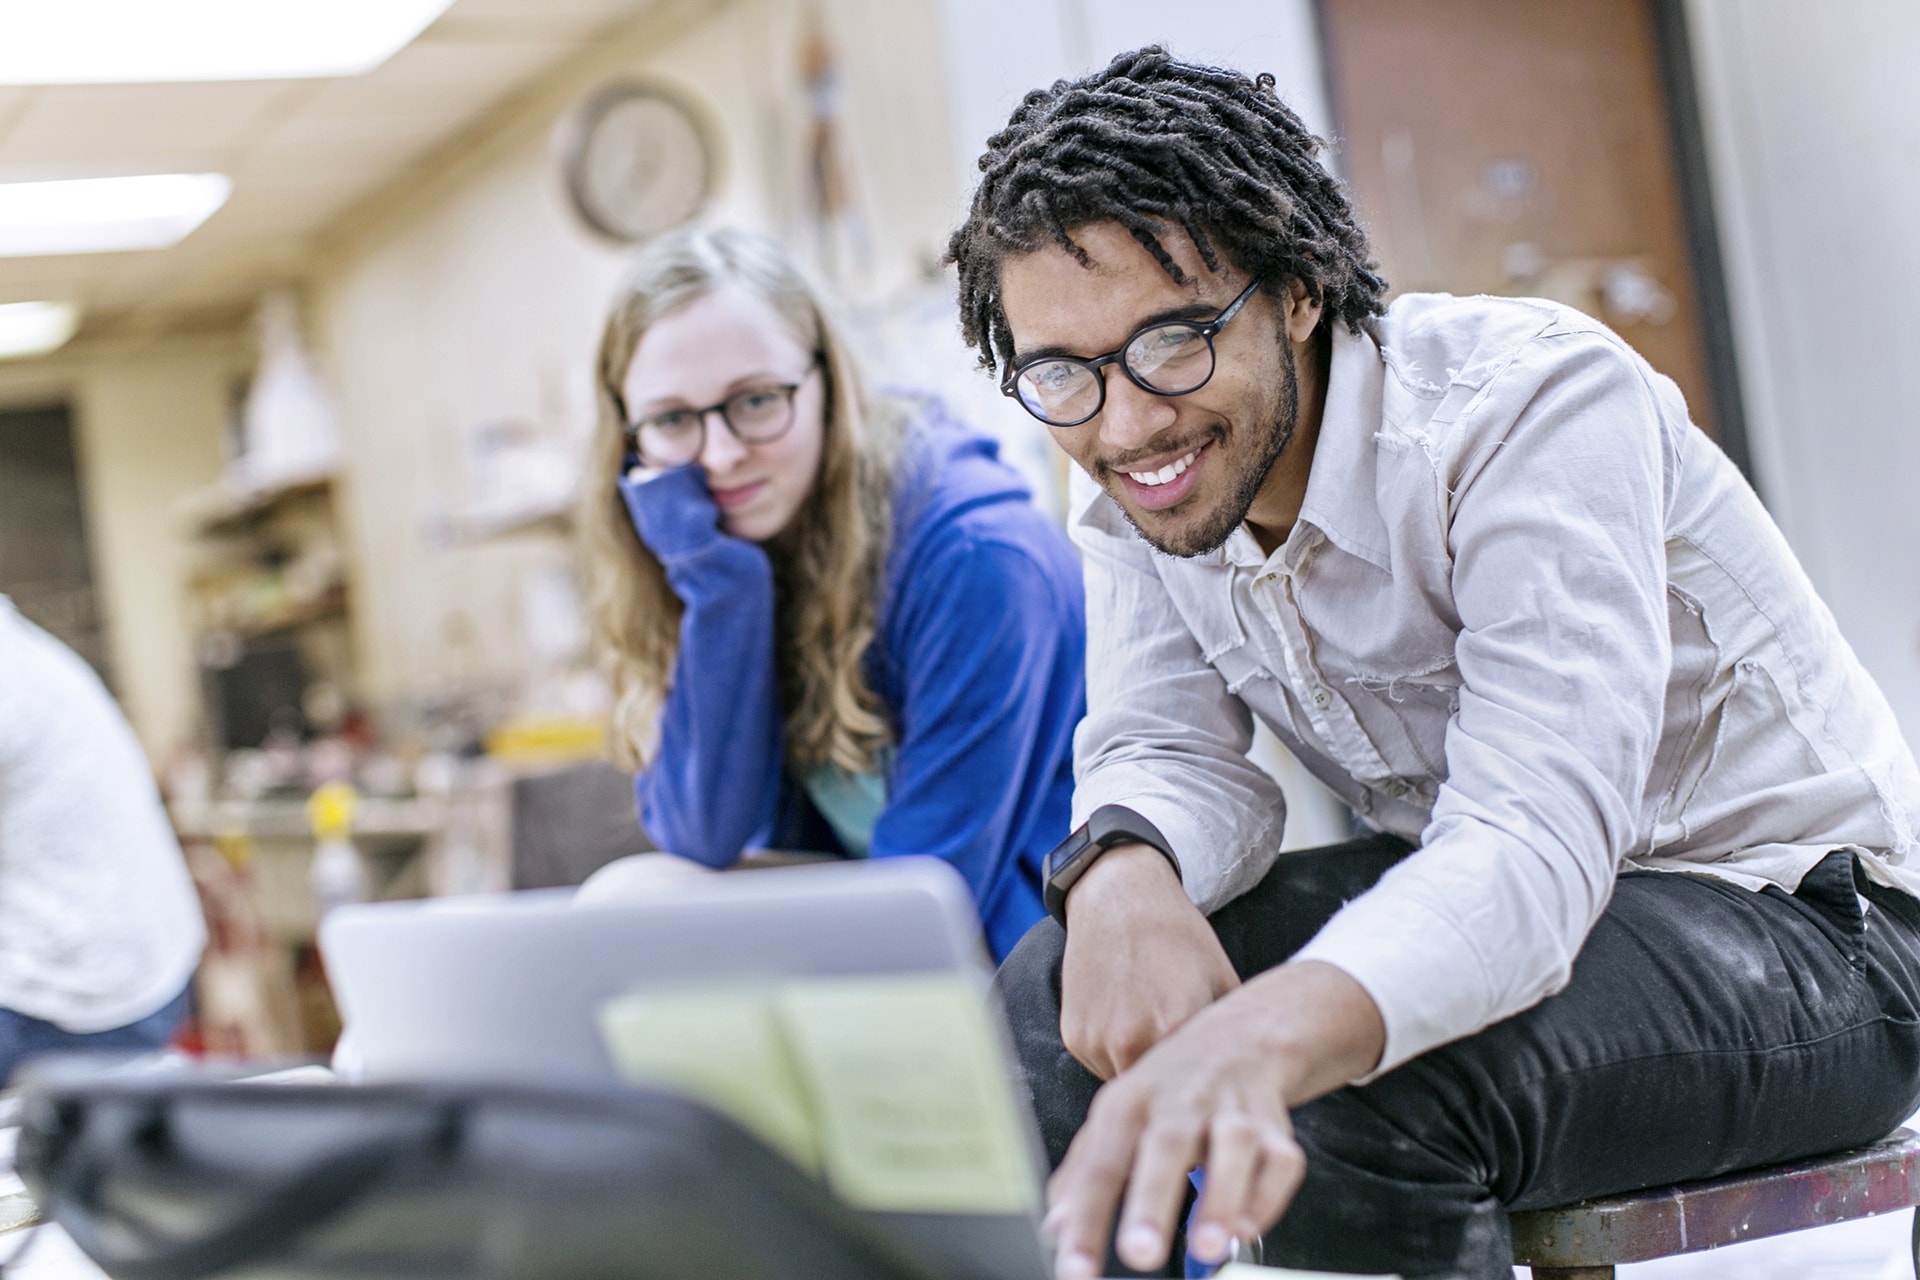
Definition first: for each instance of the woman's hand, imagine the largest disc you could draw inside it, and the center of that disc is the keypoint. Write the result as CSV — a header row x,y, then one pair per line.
x,y
671,509
1215,1093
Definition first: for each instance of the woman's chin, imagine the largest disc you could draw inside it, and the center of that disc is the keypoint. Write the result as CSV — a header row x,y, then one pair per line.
x,y
751,526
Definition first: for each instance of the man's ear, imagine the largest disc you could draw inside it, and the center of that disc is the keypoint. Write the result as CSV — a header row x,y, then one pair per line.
x,y
1300,313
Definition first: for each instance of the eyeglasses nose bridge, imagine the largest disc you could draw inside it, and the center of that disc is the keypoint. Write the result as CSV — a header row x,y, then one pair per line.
x,y
719,410
1098,368
1136,416
707,436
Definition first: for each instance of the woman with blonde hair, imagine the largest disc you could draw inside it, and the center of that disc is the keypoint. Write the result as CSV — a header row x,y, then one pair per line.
x,y
833,619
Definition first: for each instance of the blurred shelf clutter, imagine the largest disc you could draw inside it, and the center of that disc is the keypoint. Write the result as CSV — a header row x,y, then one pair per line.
x,y
303,796
305,792
269,866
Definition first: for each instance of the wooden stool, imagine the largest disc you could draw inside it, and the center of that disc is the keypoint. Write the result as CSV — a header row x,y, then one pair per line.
x,y
1584,1241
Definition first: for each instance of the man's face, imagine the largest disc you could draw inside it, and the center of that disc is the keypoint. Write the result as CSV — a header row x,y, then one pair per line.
x,y
1222,439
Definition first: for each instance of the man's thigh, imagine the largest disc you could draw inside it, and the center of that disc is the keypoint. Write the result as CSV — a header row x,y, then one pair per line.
x,y
1706,1027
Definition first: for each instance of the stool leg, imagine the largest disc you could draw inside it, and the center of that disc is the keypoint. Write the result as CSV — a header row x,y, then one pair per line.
x,y
1590,1273
1916,1244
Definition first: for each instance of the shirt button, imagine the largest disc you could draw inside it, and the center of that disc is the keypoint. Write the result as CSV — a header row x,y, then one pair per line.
x,y
1321,698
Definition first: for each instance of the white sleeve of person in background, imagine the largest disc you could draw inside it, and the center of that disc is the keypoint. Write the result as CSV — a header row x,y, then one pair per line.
x,y
99,923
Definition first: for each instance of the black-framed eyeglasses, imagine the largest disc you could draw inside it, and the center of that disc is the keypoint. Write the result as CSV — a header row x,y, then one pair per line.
x,y
1170,358
757,414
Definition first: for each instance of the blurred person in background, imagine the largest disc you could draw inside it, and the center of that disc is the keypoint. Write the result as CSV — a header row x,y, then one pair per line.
x,y
100,928
834,621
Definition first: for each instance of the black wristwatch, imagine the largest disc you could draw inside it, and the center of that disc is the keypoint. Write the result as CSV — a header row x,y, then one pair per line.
x,y
1107,826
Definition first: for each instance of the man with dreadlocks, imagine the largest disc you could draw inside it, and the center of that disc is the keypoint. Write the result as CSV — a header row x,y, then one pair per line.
x,y
1635,907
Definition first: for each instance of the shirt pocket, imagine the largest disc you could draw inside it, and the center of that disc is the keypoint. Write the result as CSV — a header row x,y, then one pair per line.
x,y
1411,708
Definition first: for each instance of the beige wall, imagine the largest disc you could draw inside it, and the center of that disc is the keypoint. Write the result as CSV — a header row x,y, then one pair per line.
x,y
149,425
476,297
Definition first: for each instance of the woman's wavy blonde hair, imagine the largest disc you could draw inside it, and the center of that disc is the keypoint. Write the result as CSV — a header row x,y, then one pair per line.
x,y
827,561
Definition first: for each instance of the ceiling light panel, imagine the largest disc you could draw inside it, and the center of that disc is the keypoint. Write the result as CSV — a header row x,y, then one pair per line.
x,y
35,328
145,41
106,215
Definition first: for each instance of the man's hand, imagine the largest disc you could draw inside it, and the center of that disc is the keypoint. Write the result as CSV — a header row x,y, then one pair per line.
x,y
1215,1093
1140,960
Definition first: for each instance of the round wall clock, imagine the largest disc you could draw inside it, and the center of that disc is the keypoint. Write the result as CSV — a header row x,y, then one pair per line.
x,y
637,162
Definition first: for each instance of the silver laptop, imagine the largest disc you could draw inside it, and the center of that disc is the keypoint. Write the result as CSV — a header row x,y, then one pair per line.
x,y
510,987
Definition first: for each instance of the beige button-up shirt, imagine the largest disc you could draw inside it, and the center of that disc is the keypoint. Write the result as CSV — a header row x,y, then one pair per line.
x,y
1531,619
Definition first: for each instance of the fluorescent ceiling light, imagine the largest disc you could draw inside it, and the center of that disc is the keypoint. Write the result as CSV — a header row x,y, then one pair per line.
x,y
141,41
106,215
35,328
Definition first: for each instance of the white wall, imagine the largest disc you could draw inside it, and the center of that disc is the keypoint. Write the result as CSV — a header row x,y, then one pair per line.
x,y
1812,115
997,50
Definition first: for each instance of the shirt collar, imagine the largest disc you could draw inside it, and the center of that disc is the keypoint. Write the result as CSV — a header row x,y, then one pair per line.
x,y
1342,499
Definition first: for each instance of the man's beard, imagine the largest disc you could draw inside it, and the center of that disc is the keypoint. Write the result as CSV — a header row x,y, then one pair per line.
x,y
1282,417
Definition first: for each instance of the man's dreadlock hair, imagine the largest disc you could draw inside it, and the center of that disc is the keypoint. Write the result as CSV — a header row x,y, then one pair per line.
x,y
1153,143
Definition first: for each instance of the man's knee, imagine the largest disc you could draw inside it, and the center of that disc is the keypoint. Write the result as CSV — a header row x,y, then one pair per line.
x,y
1388,1182
1059,1087
1029,978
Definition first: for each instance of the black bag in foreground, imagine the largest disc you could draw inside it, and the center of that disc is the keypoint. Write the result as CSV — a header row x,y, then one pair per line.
x,y
171,1178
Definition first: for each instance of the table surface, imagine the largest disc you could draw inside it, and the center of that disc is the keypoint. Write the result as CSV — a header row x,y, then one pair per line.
x,y
1868,1249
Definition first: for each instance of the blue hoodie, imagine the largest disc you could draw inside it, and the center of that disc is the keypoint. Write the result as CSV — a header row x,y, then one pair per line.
x,y
979,656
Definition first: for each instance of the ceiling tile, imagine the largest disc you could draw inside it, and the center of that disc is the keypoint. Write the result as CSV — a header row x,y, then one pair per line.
x,y
348,159
420,74
128,126
596,12
70,279
287,212
13,104
424,119
190,278
301,152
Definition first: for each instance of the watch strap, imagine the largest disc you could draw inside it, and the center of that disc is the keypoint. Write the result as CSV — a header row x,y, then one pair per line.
x,y
1105,827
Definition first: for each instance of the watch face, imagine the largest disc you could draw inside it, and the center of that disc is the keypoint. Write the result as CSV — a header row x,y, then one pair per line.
x,y
638,163
1066,853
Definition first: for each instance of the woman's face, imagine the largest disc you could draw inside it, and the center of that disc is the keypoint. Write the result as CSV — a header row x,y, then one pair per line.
x,y
699,355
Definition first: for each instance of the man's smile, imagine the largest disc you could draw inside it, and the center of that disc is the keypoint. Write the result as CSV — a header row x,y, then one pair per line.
x,y
1158,487
1166,474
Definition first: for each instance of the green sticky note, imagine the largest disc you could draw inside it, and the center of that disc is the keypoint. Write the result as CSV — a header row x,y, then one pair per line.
x,y
723,1045
911,1091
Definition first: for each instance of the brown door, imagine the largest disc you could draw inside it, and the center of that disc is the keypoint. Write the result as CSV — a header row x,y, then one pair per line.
x,y
1522,147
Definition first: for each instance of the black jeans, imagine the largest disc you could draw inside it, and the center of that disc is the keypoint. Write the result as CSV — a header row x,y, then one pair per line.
x,y
1706,1027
